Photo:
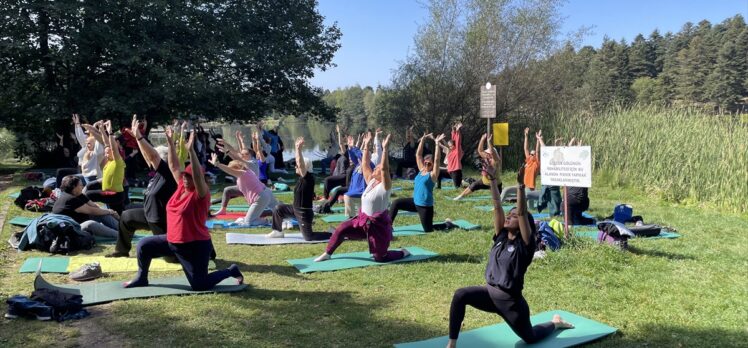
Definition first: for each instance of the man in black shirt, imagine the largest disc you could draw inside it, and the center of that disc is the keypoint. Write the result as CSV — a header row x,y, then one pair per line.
x,y
92,218
303,196
160,189
409,153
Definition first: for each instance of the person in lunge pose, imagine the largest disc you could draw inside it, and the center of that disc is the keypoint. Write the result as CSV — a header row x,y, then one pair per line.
x,y
511,254
303,195
186,236
422,201
373,222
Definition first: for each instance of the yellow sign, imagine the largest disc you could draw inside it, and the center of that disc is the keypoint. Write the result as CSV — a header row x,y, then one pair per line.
x,y
501,134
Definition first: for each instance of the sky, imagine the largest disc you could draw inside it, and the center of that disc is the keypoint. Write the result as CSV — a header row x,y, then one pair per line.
x,y
378,34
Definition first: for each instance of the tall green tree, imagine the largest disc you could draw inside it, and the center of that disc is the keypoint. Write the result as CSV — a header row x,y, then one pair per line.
x,y
642,58
234,60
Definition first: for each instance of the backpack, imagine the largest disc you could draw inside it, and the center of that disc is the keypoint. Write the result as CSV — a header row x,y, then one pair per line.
x,y
28,193
64,239
623,213
64,305
546,237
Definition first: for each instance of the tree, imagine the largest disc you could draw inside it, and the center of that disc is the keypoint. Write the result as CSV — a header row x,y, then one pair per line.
x,y
642,58
725,83
235,60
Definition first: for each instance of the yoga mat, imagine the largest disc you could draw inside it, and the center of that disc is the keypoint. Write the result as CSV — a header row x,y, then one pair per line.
x,y
260,239
22,221
96,293
355,260
490,207
662,235
446,188
343,217
14,195
473,198
107,240
137,197
67,264
462,224
231,207
230,224
500,335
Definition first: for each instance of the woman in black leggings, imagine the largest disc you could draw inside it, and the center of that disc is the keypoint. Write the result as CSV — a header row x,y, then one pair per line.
x,y
422,201
511,254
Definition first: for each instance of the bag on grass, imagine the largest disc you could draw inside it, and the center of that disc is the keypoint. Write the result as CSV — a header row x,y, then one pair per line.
x,y
547,237
27,194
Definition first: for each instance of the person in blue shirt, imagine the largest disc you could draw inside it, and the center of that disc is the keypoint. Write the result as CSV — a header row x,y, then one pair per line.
x,y
511,254
422,201
357,185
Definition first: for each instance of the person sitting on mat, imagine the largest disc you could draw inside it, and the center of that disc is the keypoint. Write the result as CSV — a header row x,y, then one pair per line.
x,y
110,189
373,222
423,189
490,156
258,196
303,196
92,218
453,156
186,236
511,254
160,188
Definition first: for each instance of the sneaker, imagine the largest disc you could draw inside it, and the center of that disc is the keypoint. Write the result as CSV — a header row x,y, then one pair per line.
x,y
88,271
42,313
323,257
275,234
12,312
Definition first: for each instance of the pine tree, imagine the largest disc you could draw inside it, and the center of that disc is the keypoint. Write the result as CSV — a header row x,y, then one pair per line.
x,y
725,83
641,58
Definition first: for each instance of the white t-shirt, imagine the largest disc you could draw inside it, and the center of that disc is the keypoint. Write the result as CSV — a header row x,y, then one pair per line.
x,y
375,198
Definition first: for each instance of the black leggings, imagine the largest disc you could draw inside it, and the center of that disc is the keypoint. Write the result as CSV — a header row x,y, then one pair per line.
x,y
115,200
443,173
305,218
331,182
456,177
132,220
426,214
576,209
514,310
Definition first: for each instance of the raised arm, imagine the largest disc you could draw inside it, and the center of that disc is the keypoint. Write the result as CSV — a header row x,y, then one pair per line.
x,y
435,171
226,169
524,223
498,210
173,160
149,153
366,157
201,186
386,178
111,141
457,140
226,148
538,143
480,146
94,132
378,146
300,164
240,140
341,148
419,152
526,147
79,134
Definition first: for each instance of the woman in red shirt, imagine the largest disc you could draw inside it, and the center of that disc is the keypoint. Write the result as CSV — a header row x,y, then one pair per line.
x,y
186,237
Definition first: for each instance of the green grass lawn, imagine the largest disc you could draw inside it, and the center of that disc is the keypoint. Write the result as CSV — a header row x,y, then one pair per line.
x,y
691,291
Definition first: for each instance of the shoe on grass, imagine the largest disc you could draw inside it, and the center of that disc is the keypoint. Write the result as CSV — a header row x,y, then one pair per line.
x,y
275,234
89,271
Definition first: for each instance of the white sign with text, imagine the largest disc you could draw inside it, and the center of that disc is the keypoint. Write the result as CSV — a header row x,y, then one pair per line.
x,y
566,166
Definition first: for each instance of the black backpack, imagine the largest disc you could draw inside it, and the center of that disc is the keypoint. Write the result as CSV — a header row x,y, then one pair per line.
x,y
27,194
63,238
63,304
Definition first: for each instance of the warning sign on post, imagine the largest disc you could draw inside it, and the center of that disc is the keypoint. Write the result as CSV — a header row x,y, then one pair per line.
x,y
488,101
566,166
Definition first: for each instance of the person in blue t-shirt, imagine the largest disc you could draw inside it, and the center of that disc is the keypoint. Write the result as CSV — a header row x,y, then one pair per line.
x,y
357,185
511,254
423,189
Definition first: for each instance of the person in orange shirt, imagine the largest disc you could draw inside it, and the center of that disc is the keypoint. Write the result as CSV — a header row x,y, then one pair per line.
x,y
532,160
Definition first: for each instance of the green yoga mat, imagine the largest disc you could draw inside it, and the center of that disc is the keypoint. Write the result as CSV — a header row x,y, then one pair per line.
x,y
343,217
14,195
501,335
67,264
96,293
490,207
463,224
22,221
474,198
355,260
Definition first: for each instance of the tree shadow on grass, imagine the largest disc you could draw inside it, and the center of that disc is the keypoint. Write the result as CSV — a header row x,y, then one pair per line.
x,y
261,317
656,253
458,258
679,336
284,270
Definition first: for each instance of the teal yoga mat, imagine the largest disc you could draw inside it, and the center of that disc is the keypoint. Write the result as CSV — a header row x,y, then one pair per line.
x,y
57,264
500,335
343,217
490,207
474,198
22,221
14,195
463,224
355,260
96,293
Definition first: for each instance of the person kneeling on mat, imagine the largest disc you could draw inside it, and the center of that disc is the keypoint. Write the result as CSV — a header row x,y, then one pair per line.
x,y
186,236
303,196
373,222
511,254
423,192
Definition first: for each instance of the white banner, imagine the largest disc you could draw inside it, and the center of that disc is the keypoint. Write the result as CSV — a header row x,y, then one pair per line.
x,y
566,166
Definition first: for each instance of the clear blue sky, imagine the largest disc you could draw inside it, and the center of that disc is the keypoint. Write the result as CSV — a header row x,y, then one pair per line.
x,y
377,34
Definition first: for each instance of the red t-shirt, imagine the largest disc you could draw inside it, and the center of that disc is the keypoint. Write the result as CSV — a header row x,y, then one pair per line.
x,y
186,216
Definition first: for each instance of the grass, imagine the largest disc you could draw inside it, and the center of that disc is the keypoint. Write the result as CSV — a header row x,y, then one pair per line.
x,y
691,291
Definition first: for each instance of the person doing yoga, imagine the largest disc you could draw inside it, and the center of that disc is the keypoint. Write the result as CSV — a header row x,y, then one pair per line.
x,y
511,254
303,196
373,222
186,236
423,189
490,156
258,196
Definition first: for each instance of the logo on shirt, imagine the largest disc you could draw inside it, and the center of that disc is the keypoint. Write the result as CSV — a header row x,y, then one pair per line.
x,y
510,248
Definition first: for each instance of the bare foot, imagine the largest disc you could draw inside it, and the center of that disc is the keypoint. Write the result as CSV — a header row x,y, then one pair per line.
x,y
323,257
220,211
560,323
